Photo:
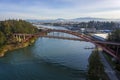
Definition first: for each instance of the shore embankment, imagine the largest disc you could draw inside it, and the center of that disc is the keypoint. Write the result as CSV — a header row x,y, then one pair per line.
x,y
15,45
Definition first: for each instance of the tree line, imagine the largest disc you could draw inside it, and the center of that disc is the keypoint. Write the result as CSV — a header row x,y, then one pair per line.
x,y
91,24
8,27
114,36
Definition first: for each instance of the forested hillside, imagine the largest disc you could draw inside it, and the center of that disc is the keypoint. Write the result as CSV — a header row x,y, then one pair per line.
x,y
8,27
114,36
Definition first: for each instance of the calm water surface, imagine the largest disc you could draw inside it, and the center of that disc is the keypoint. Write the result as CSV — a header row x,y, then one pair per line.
x,y
47,59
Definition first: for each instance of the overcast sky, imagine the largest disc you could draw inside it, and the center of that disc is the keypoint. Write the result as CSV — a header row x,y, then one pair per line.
x,y
51,9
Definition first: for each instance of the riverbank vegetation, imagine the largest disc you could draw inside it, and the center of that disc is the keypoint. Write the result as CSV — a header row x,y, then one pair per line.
x,y
96,68
8,28
114,37
114,64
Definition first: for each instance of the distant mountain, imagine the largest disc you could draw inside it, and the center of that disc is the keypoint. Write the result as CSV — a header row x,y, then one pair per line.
x,y
46,21
36,20
86,19
82,19
60,19
89,19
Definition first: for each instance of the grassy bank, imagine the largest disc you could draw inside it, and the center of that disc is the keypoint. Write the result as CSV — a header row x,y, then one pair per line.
x,y
15,45
96,68
115,65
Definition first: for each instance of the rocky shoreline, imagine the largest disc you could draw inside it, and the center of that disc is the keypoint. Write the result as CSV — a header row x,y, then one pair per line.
x,y
11,47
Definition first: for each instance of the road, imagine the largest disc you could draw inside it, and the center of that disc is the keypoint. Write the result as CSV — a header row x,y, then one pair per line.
x,y
108,69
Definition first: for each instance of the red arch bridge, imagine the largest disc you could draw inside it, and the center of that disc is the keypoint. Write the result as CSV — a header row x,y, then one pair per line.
x,y
103,44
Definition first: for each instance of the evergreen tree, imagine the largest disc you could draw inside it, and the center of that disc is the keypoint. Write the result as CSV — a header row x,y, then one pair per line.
x,y
2,38
9,27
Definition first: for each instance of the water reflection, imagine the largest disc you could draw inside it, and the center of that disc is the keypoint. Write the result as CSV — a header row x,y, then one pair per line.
x,y
47,59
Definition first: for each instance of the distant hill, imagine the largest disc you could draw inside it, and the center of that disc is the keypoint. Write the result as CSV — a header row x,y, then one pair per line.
x,y
82,19
86,19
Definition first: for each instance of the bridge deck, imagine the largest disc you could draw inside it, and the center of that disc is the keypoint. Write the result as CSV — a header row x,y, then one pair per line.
x,y
84,37
58,37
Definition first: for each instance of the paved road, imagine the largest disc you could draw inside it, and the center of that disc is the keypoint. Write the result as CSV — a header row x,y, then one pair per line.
x,y
108,69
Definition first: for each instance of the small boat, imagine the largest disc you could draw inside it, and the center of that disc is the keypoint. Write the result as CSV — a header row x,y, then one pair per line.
x,y
89,47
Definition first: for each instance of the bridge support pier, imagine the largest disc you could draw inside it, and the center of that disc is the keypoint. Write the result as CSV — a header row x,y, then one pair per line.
x,y
19,37
24,37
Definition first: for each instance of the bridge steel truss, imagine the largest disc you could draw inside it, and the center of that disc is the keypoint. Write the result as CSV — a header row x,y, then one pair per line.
x,y
102,44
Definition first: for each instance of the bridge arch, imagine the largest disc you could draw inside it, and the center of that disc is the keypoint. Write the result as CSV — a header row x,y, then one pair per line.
x,y
101,44
84,37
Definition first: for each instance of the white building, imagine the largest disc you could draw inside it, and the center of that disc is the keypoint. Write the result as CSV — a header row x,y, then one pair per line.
x,y
102,36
